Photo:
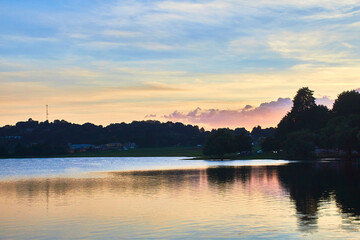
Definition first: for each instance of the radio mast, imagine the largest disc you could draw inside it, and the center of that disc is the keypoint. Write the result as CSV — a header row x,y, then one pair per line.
x,y
47,112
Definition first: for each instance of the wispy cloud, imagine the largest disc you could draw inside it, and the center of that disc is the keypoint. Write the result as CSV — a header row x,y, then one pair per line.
x,y
310,46
27,39
116,33
334,14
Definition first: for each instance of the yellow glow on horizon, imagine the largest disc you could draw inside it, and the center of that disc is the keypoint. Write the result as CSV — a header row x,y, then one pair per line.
x,y
90,101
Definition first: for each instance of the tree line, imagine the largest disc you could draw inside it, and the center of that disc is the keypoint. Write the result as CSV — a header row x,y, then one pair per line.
x,y
33,138
304,131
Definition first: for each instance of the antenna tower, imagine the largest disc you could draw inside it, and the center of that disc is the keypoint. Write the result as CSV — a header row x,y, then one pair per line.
x,y
47,112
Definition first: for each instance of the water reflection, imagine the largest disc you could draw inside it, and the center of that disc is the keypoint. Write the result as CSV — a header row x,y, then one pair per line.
x,y
312,184
323,198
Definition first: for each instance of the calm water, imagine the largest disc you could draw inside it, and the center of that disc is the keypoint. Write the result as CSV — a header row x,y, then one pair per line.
x,y
103,198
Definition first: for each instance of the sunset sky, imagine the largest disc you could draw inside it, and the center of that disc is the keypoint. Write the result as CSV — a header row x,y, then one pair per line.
x,y
220,63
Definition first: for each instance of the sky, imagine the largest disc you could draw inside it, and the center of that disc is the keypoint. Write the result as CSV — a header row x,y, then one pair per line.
x,y
211,63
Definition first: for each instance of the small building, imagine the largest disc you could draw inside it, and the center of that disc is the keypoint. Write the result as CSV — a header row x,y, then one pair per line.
x,y
129,145
110,146
80,147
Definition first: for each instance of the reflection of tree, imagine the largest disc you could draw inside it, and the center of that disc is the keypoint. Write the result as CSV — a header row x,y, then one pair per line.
x,y
348,189
221,175
226,177
305,188
310,183
142,182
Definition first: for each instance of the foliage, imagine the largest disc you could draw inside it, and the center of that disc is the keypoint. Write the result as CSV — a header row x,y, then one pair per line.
x,y
219,142
243,142
299,129
303,100
270,144
305,114
44,138
258,132
300,145
347,103
301,125
342,133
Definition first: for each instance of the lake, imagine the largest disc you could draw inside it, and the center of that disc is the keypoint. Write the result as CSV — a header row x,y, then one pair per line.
x,y
172,198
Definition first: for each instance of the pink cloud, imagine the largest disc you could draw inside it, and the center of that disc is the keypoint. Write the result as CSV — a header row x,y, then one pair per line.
x,y
150,116
266,115
326,101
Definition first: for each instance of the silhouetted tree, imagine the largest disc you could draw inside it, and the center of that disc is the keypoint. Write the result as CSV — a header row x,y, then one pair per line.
x,y
297,131
300,145
270,144
3,151
342,132
297,118
243,142
219,142
347,103
32,138
305,114
303,100
258,132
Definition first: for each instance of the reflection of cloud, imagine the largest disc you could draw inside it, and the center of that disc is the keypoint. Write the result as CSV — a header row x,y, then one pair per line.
x,y
267,114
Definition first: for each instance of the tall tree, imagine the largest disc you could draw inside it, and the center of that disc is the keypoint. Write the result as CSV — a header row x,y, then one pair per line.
x,y
299,129
303,100
305,114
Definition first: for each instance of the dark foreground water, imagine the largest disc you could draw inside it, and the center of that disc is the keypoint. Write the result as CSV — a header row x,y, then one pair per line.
x,y
89,198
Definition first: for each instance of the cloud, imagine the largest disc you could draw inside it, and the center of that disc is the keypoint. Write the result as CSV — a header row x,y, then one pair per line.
x,y
102,45
116,33
326,101
267,115
247,44
77,35
314,46
150,86
131,58
27,39
333,15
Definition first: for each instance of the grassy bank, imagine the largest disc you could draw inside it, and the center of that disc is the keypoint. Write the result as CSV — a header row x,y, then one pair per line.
x,y
191,152
144,152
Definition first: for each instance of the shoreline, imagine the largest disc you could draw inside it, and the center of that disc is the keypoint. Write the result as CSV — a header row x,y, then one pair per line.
x,y
189,153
